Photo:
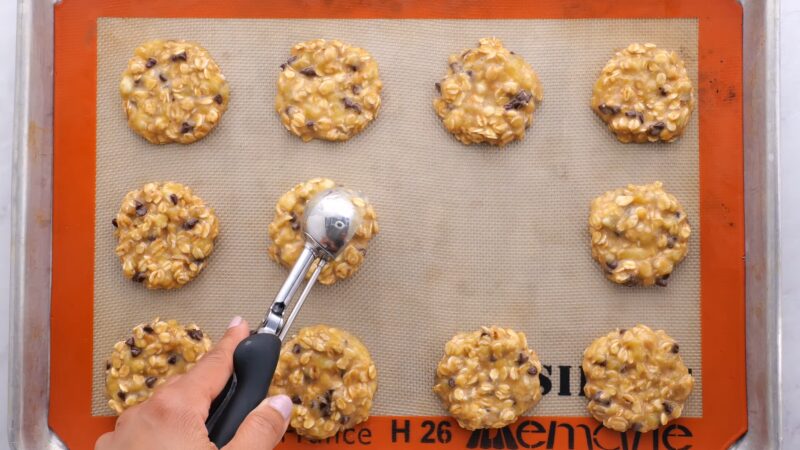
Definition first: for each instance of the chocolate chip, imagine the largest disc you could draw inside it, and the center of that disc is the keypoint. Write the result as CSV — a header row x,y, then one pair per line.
x,y
297,349
309,71
622,331
522,358
601,363
671,240
344,419
354,68
625,368
519,101
218,99
678,214
150,62
483,333
195,334
136,351
612,264
173,198
675,348
661,281
492,358
662,91
139,277
114,222
186,127
636,427
189,224
455,67
349,104
136,82
172,359
356,89
148,329
656,128
310,124
632,280
363,251
130,342
179,57
150,381
121,395
608,109
140,209
325,410
329,395
438,87
533,371
667,408
151,238
108,365
288,62
296,400
598,398
162,78
451,382
469,72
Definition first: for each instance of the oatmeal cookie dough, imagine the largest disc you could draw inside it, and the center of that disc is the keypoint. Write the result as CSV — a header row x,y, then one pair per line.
x,y
173,91
635,379
144,361
639,234
644,94
330,377
488,378
287,236
165,235
328,90
488,95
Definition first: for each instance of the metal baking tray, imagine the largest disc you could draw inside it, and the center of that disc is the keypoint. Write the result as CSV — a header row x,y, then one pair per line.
x,y
32,227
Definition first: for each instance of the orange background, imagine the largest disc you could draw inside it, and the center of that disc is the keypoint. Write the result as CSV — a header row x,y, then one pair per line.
x,y
721,200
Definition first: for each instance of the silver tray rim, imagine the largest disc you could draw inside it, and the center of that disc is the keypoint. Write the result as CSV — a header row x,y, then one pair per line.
x,y
29,362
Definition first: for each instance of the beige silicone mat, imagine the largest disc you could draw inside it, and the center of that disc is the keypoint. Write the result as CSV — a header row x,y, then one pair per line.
x,y
469,235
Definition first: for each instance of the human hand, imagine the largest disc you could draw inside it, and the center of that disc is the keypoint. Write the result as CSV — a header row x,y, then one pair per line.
x,y
174,417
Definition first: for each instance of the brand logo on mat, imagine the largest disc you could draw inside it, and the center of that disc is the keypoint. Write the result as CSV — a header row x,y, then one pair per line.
x,y
503,438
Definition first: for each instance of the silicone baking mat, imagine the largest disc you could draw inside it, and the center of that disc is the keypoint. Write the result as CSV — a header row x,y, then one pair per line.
x,y
470,235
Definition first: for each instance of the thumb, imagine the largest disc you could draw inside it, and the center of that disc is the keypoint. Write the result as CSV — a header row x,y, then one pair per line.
x,y
264,426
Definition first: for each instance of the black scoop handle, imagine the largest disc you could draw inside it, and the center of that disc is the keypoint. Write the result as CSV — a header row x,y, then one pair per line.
x,y
254,363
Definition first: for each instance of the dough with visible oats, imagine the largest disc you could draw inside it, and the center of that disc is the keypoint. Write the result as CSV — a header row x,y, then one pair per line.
x,y
165,235
638,234
644,94
488,378
144,361
173,91
330,377
488,95
287,237
328,90
635,379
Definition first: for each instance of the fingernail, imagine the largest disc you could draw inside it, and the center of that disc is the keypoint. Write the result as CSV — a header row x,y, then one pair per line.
x,y
235,322
282,404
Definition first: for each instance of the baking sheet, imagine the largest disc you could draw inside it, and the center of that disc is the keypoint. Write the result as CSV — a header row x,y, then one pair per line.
x,y
470,235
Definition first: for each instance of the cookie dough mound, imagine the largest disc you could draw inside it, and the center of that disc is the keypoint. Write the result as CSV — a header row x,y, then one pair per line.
x,y
330,378
488,95
639,234
173,91
328,90
644,94
287,236
165,235
144,361
488,378
635,379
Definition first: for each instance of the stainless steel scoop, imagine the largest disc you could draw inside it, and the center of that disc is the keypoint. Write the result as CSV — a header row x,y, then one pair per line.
x,y
329,222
